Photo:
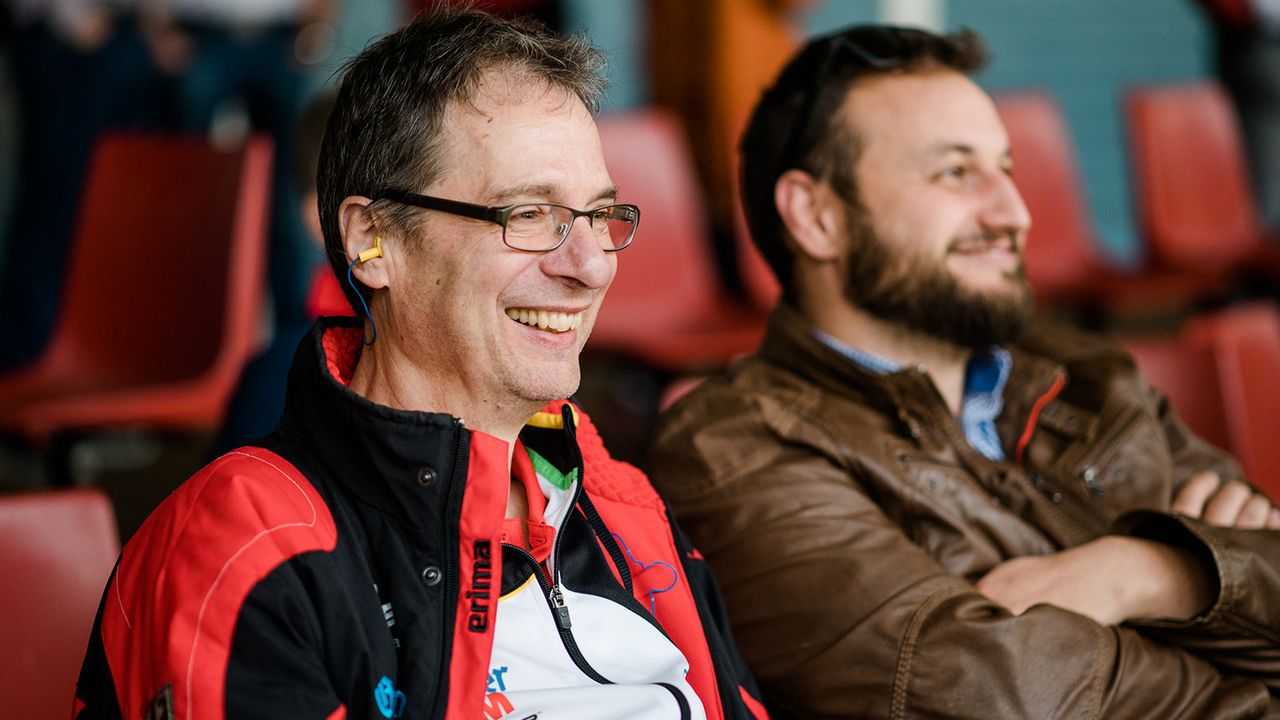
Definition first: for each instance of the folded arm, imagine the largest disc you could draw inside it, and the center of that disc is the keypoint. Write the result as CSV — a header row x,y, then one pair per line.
x,y
841,614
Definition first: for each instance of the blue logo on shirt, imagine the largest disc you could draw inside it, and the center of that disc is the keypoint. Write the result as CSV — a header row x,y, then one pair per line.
x,y
495,678
390,700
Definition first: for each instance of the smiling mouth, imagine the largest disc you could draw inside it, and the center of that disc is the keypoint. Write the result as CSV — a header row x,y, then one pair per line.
x,y
549,321
980,245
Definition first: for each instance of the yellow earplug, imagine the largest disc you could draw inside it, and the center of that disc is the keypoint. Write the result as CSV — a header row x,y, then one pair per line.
x,y
373,252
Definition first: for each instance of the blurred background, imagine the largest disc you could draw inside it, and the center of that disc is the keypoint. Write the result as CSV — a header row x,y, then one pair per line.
x,y
1103,101
159,258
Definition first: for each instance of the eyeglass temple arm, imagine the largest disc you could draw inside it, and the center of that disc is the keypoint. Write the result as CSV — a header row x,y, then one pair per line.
x,y
453,207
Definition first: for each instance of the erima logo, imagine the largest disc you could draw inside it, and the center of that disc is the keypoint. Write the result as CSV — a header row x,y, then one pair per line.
x,y
481,574
390,700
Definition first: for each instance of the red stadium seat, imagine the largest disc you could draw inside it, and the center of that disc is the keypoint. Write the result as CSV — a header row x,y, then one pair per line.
x,y
1245,343
1195,209
1063,261
1187,374
56,552
667,306
163,294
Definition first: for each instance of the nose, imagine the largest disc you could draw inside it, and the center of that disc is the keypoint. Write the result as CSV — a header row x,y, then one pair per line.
x,y
580,259
1005,210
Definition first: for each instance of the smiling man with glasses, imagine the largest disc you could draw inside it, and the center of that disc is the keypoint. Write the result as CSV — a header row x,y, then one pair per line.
x,y
920,501
433,530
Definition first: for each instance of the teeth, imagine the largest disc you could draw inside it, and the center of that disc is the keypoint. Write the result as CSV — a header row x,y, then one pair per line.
x,y
552,321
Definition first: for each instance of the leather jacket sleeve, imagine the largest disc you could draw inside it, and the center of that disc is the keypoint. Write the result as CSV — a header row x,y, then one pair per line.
x,y
840,614
1240,633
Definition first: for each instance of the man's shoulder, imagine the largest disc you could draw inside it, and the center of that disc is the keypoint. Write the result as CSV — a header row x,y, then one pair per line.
x,y
758,396
171,610
732,425
1071,346
1096,366
247,511
753,388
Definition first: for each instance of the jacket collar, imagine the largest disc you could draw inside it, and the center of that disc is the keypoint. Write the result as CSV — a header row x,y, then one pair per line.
x,y
399,461
789,343
402,462
908,392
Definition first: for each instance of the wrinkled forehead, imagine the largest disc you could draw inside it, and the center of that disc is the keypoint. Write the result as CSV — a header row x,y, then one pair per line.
x,y
519,129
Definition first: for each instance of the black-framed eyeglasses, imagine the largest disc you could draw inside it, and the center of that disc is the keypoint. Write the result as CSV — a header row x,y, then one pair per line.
x,y
536,227
873,48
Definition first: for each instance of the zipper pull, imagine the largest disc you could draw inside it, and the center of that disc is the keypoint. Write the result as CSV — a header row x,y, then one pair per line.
x,y
562,611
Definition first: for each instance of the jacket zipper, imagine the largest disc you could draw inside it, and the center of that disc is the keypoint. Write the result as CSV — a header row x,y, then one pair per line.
x,y
450,563
1033,419
555,602
555,596
552,589
554,593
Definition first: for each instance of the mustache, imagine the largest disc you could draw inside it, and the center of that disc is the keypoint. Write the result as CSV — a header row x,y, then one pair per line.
x,y
984,240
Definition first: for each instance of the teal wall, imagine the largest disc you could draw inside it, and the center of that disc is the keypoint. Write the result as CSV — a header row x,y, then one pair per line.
x,y
619,28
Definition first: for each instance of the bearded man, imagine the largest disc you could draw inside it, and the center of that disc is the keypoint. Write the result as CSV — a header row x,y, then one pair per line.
x,y
921,502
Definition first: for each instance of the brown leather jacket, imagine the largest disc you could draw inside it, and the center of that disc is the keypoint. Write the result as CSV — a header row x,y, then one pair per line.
x,y
847,517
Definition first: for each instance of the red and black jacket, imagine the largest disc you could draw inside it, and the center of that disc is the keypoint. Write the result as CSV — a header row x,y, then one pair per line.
x,y
340,568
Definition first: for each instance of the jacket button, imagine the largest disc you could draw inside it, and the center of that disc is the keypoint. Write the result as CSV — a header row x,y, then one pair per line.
x,y
1056,498
426,476
431,575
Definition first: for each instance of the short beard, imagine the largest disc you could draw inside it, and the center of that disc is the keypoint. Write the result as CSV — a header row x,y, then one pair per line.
x,y
908,290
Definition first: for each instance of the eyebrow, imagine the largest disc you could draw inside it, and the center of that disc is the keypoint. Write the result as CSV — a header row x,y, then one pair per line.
x,y
545,191
942,149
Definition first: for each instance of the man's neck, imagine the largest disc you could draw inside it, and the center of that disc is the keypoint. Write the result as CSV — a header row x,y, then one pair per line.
x,y
856,328
388,377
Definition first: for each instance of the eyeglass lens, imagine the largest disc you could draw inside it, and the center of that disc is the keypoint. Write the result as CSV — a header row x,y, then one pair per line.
x,y
543,227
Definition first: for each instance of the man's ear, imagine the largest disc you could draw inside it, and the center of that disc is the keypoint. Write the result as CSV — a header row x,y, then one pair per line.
x,y
815,223
363,241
